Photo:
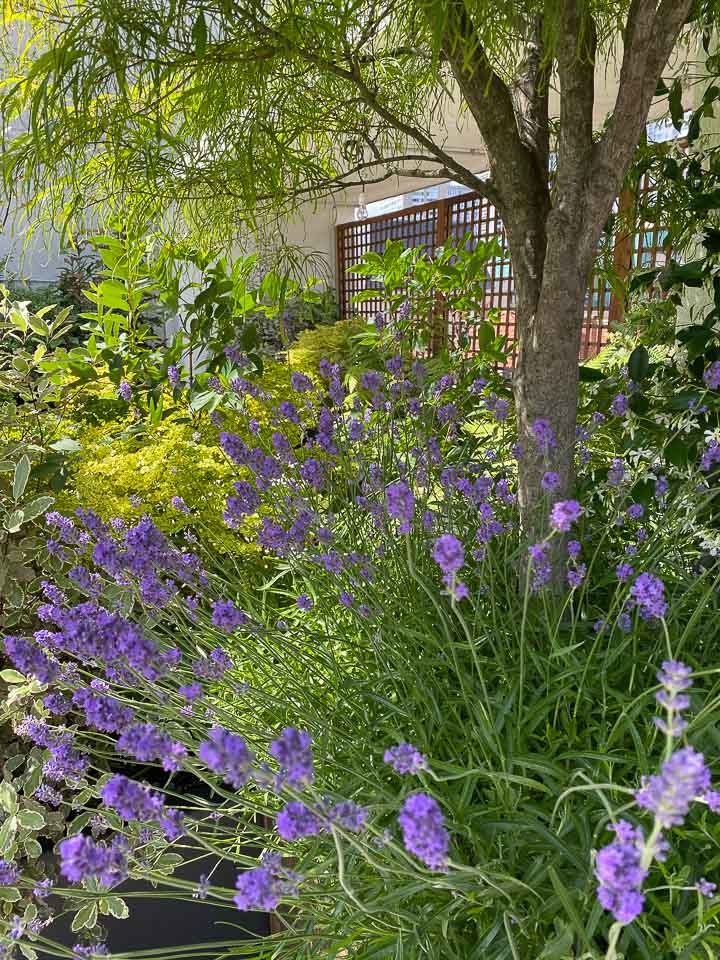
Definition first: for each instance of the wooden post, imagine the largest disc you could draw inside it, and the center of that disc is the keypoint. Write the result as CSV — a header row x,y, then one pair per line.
x,y
340,271
623,250
439,322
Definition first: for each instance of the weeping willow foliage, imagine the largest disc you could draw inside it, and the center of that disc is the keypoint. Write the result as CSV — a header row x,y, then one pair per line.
x,y
227,112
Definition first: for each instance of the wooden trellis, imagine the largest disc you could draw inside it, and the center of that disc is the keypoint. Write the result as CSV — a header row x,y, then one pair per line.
x,y
428,225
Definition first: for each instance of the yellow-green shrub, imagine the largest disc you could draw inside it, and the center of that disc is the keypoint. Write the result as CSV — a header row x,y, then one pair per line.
x,y
327,341
178,457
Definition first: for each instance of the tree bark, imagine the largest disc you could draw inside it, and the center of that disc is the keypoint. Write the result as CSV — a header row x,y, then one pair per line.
x,y
546,386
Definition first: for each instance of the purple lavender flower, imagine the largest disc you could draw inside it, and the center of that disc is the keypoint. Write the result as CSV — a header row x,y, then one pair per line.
x,y
65,763
573,548
214,666
576,575
177,503
146,742
135,802
711,377
226,616
89,950
227,754
705,887
246,502
619,405
103,712
447,413
448,553
550,480
296,820
500,409
372,380
635,511
304,602
293,751
30,659
125,391
405,758
684,777
564,513
346,599
9,873
616,472
348,816
675,676
191,691
300,383
648,594
173,375
623,571
48,795
544,435
328,370
541,567
423,829
259,889
400,503
620,873
312,472
711,456
394,365
57,703
82,858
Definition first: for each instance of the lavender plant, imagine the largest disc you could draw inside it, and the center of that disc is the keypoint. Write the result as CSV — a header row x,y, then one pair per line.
x,y
403,744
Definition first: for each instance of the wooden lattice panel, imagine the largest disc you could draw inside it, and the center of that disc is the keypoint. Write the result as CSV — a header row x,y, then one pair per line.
x,y
429,225
416,227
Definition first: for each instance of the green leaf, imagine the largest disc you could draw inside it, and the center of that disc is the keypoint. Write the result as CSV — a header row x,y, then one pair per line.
x,y
675,104
38,325
80,822
117,907
85,917
200,35
677,452
33,849
66,445
14,521
639,363
642,278
8,797
10,894
591,374
20,479
7,835
486,335
691,274
37,507
28,952
31,819
11,676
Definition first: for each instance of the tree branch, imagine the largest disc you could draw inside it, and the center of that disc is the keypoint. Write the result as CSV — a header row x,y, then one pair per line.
x,y
650,34
576,71
533,89
521,185
353,74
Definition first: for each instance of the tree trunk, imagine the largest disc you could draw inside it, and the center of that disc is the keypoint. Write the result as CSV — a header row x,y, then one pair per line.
x,y
546,383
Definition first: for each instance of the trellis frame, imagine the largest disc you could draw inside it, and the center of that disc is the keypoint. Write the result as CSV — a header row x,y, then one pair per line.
x,y
430,224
